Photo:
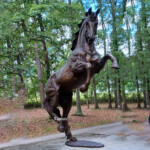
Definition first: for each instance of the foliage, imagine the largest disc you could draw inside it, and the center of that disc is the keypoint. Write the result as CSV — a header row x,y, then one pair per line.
x,y
125,31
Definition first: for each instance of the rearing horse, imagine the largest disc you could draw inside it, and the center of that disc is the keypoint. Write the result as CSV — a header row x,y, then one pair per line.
x,y
83,64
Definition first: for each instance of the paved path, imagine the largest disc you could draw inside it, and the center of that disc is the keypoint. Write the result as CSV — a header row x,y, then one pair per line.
x,y
5,117
116,136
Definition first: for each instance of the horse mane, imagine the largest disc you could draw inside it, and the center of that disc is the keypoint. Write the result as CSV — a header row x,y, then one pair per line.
x,y
74,43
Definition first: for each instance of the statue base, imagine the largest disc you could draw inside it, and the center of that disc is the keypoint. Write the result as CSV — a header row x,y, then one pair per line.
x,y
83,143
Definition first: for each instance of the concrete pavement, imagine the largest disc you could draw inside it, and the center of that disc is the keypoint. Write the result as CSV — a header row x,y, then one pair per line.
x,y
115,136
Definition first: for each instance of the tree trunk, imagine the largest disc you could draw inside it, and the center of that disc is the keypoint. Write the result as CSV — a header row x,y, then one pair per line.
x,y
113,11
46,59
138,93
129,36
147,99
69,2
145,22
22,86
40,75
144,92
124,106
87,100
115,47
115,99
119,100
19,73
104,43
94,92
78,103
115,93
124,8
148,94
109,95
91,95
14,85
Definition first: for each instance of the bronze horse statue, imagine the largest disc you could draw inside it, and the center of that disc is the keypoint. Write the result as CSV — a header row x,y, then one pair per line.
x,y
82,65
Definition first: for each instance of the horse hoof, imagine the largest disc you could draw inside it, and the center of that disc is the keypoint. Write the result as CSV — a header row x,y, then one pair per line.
x,y
83,88
61,128
115,66
73,139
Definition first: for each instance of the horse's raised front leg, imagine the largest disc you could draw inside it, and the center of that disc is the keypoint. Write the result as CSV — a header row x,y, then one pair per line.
x,y
103,60
114,61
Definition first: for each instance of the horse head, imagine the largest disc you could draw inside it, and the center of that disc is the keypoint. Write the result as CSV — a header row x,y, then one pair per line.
x,y
91,23
87,30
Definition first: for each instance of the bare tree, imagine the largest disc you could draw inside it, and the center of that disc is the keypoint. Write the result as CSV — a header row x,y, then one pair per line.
x,y
94,92
78,104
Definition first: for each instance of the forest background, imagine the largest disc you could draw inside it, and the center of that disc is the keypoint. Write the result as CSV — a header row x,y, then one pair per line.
x,y
36,38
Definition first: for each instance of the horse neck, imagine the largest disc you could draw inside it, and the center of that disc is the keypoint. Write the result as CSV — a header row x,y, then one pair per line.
x,y
81,38
81,43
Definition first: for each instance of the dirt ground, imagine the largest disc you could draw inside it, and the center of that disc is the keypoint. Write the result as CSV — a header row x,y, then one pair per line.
x,y
36,122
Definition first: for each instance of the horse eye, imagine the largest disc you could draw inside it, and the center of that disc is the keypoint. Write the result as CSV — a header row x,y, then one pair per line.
x,y
87,24
96,24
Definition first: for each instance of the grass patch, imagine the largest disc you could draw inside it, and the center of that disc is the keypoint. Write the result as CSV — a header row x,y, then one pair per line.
x,y
48,129
129,116
93,124
78,114
78,125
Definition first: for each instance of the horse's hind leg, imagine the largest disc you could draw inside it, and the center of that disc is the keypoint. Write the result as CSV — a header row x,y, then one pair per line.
x,y
50,104
66,104
54,112
51,100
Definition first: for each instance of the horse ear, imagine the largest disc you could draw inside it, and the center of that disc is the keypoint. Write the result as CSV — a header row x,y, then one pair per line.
x,y
90,11
97,12
86,13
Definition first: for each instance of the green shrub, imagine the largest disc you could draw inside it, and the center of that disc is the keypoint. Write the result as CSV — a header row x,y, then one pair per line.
x,y
32,104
